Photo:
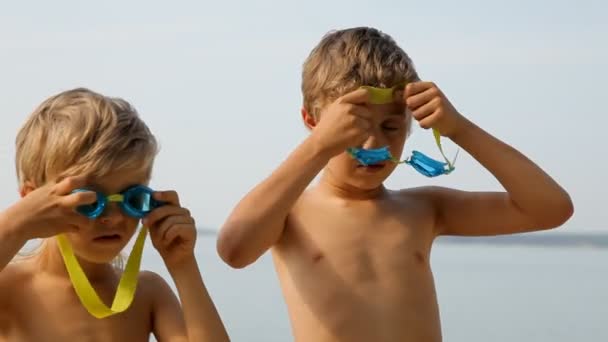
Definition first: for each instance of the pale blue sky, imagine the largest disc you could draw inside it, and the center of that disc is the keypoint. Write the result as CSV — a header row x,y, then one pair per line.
x,y
218,82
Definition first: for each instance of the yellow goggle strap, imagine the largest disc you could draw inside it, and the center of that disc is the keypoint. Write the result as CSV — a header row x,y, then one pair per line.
x,y
85,291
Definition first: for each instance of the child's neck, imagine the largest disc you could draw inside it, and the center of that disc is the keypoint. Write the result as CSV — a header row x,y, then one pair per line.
x,y
51,262
328,184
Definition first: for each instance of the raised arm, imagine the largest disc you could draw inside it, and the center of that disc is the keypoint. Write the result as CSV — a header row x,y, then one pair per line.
x,y
532,200
42,212
10,240
258,220
173,234
193,317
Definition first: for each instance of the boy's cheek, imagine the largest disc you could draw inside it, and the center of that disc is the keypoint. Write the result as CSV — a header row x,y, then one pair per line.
x,y
341,161
84,228
133,223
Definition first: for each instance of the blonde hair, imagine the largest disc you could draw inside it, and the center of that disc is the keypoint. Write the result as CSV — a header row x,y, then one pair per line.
x,y
80,132
347,59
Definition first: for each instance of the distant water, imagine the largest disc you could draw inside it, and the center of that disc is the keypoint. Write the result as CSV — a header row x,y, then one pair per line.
x,y
500,291
536,239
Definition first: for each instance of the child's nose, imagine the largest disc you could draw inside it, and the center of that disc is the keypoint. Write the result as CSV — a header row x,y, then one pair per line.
x,y
375,140
112,215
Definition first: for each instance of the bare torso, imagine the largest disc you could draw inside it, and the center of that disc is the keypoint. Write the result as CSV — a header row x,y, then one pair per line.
x,y
359,270
42,307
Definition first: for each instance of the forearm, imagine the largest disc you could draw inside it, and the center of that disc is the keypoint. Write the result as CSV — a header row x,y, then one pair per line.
x,y
258,220
10,241
532,190
203,322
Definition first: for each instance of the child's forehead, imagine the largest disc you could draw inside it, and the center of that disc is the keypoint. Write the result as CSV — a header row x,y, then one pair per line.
x,y
119,180
393,108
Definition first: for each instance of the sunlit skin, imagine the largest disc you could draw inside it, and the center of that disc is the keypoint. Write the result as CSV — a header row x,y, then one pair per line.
x,y
352,256
37,300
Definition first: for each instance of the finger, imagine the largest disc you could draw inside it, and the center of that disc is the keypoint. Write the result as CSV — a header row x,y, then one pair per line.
x,y
363,124
170,221
428,121
361,139
170,197
68,184
414,88
413,102
163,212
359,96
157,233
426,110
179,230
361,112
358,136
79,198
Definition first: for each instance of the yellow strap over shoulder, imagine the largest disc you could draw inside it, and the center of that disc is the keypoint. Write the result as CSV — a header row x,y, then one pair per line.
x,y
85,291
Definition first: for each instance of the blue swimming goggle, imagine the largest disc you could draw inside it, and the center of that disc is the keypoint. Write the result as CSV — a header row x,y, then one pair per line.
x,y
418,160
135,202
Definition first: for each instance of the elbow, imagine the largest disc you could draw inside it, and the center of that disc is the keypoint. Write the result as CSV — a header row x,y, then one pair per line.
x,y
231,250
560,212
565,210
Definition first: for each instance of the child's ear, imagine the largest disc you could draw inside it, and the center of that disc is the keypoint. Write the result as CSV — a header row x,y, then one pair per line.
x,y
309,120
26,188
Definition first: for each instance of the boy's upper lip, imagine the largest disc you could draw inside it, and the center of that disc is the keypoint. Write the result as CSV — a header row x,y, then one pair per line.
x,y
381,164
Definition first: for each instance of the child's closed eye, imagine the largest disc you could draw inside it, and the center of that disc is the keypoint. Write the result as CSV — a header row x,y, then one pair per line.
x,y
393,123
389,127
392,126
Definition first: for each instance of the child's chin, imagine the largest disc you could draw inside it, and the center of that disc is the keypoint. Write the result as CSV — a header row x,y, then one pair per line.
x,y
99,257
367,183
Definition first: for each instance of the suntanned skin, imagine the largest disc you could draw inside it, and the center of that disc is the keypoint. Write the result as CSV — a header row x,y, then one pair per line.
x,y
37,299
350,274
353,257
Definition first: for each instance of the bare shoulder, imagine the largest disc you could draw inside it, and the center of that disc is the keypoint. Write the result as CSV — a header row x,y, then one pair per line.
x,y
13,282
154,290
310,197
306,197
425,196
166,312
422,192
309,202
13,277
153,285
430,195
421,204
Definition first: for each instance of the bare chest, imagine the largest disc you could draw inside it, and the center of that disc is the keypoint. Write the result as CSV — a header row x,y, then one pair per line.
x,y
54,313
360,272
362,243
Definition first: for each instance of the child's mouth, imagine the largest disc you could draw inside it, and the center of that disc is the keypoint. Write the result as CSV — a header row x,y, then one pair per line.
x,y
108,238
372,167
